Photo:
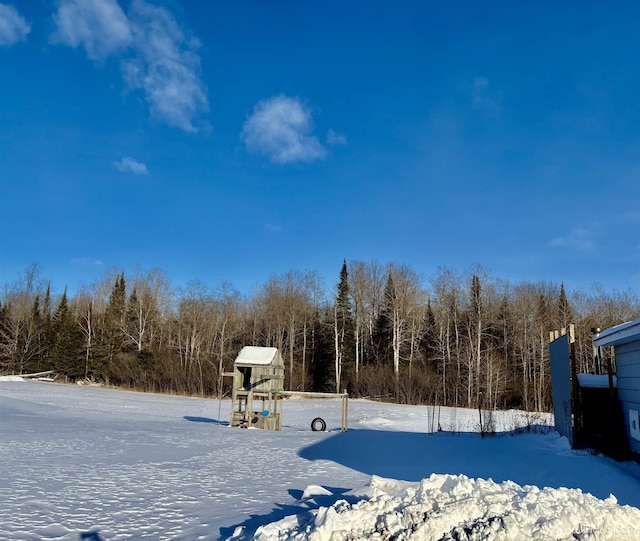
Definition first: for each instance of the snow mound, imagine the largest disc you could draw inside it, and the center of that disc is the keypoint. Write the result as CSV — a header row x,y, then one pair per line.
x,y
314,490
11,378
379,421
448,507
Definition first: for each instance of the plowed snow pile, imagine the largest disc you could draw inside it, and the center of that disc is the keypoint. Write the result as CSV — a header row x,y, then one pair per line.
x,y
450,507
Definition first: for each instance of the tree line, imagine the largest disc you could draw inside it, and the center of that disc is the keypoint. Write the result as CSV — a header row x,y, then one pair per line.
x,y
457,339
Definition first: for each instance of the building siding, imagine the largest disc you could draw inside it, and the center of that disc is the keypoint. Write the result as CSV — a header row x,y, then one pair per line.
x,y
559,360
628,372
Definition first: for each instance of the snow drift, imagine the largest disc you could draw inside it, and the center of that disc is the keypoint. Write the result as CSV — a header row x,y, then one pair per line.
x,y
450,507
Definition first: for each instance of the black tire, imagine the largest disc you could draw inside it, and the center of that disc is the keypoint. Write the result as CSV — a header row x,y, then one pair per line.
x,y
318,425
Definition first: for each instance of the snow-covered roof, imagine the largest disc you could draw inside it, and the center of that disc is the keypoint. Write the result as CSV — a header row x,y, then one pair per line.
x,y
620,334
595,381
257,355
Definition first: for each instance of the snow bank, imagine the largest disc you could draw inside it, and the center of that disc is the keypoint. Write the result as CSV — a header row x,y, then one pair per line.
x,y
11,378
448,507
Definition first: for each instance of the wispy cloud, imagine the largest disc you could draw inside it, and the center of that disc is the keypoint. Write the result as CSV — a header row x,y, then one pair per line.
x,y
157,55
334,138
483,98
165,66
273,228
86,262
281,128
578,239
130,165
100,26
13,27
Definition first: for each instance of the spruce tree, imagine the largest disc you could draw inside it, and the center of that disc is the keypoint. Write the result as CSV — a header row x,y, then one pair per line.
x,y
111,340
476,298
323,352
429,337
67,343
475,331
383,332
565,312
36,327
344,328
4,333
132,321
47,336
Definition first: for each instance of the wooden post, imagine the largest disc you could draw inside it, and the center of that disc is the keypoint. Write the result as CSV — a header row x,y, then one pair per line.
x,y
344,422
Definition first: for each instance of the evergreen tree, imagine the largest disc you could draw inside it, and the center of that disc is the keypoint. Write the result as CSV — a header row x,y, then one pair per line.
x,y
502,330
383,332
542,313
4,342
323,352
344,328
475,331
46,304
36,326
429,338
111,341
47,336
565,312
67,343
132,320
476,298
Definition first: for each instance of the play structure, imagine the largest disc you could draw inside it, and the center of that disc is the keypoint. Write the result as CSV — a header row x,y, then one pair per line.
x,y
258,376
257,391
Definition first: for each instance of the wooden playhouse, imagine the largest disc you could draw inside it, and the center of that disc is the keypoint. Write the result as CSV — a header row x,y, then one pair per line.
x,y
258,377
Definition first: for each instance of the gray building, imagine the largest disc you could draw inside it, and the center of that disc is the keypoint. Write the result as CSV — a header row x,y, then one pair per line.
x,y
625,340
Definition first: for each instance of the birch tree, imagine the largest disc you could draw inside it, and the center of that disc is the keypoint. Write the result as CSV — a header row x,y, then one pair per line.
x,y
21,328
150,295
84,307
228,316
366,286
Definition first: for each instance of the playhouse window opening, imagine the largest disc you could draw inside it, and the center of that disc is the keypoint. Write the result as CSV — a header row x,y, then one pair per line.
x,y
246,376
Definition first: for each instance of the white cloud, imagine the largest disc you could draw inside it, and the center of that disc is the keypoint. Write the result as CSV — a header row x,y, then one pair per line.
x,y
281,128
165,67
156,55
578,239
100,26
334,138
86,262
13,27
130,165
483,98
273,228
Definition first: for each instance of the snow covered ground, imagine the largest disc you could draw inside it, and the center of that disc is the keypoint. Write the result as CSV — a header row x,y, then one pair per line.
x,y
96,464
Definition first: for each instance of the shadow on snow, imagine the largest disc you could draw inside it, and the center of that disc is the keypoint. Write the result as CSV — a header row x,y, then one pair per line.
x,y
300,508
91,536
205,420
535,458
540,457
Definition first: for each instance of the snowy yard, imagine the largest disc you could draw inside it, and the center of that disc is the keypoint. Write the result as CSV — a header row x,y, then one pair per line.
x,y
90,463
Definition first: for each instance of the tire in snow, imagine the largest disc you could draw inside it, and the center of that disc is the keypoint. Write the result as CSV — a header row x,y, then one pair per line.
x,y
318,425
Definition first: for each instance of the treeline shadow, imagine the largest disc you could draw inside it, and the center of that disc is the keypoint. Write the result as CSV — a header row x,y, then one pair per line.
x,y
527,458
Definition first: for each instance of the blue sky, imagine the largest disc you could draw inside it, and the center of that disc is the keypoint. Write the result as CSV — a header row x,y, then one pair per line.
x,y
235,140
